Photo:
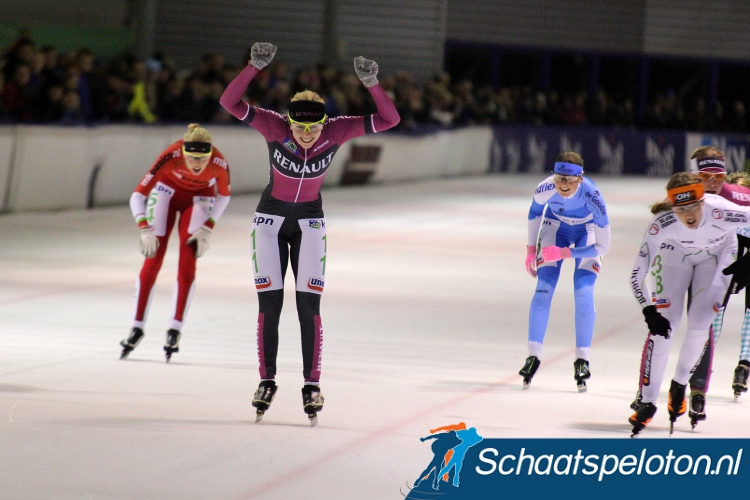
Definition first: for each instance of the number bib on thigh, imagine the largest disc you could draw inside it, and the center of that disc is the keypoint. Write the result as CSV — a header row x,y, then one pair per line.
x,y
312,256
265,247
157,207
202,207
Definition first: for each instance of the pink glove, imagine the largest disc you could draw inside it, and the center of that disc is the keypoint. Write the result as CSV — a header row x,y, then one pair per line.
x,y
531,261
553,254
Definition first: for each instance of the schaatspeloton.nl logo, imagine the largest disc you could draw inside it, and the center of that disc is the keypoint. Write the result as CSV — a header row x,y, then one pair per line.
x,y
462,464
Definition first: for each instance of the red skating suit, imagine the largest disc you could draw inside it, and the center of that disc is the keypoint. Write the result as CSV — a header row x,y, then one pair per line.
x,y
170,188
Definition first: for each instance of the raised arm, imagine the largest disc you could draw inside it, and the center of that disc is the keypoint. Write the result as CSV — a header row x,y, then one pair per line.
x,y
387,115
261,54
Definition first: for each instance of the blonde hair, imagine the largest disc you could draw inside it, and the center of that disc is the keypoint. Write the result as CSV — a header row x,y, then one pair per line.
x,y
739,178
570,157
307,95
707,152
196,133
679,179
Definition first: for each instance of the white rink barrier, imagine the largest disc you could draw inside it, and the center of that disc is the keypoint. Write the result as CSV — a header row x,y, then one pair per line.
x,y
57,168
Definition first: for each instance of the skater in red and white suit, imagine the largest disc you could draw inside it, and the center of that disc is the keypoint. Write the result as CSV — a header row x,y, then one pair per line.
x,y
688,243
190,178
289,224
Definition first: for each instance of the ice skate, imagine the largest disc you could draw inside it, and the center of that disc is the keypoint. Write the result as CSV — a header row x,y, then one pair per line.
x,y
528,370
581,373
636,401
132,342
263,398
739,383
677,405
172,343
642,417
312,400
697,411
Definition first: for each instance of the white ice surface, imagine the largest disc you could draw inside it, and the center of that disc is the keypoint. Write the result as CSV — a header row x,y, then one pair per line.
x,y
425,315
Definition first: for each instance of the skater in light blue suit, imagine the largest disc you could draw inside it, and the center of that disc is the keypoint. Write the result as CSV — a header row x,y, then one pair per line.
x,y
567,219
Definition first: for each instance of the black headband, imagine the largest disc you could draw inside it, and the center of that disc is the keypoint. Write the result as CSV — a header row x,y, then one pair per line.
x,y
307,111
710,164
198,148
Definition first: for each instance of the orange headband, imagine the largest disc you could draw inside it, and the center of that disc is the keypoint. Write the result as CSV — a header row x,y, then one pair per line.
x,y
685,195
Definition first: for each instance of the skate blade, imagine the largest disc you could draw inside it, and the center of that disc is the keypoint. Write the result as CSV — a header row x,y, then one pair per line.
x,y
526,384
124,354
671,428
313,417
258,416
582,387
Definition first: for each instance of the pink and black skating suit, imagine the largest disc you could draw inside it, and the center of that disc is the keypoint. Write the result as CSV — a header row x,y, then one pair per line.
x,y
289,224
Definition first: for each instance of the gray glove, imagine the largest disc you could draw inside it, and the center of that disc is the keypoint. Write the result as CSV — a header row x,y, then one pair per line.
x,y
367,71
261,54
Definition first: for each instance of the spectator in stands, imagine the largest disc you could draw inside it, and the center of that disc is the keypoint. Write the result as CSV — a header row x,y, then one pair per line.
x,y
697,116
72,113
20,51
169,105
4,113
143,99
737,120
17,95
48,106
83,65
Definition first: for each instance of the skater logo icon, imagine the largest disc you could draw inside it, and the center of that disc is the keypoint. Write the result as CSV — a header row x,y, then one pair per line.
x,y
449,447
262,282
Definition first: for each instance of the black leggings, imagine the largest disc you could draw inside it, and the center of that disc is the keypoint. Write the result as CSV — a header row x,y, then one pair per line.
x,y
308,310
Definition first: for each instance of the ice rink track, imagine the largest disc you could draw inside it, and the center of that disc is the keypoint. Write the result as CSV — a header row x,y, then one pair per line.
x,y
425,318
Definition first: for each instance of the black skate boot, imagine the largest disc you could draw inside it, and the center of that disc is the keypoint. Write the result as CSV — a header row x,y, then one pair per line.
x,y
263,398
697,411
677,405
739,383
642,417
172,344
528,370
581,373
636,401
313,401
132,342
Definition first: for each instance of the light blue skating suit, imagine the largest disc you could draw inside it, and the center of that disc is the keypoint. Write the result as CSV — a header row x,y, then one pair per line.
x,y
580,222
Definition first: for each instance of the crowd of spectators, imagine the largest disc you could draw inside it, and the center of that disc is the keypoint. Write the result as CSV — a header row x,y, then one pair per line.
x,y
39,84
